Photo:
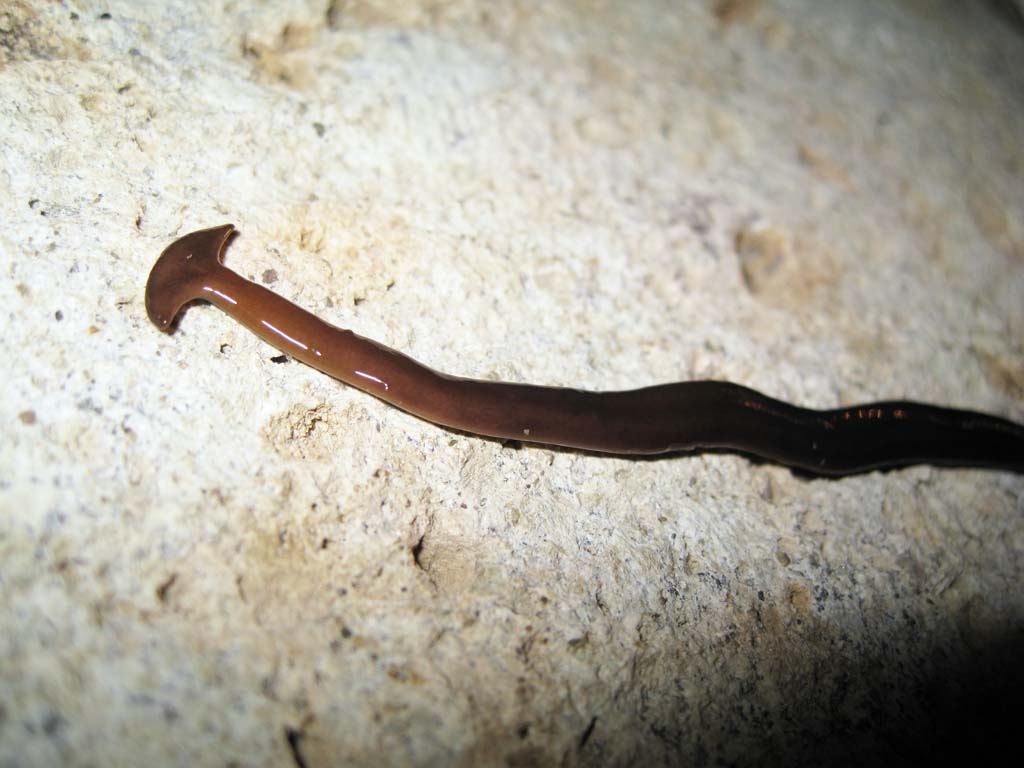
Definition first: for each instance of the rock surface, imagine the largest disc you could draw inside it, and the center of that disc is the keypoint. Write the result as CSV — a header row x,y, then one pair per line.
x,y
208,557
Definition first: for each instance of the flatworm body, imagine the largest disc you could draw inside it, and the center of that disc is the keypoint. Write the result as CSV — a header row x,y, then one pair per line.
x,y
684,416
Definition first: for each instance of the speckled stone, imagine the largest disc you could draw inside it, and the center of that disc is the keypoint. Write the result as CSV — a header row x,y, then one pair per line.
x,y
213,556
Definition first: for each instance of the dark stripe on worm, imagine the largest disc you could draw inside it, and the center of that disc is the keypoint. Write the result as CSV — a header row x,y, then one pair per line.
x,y
685,416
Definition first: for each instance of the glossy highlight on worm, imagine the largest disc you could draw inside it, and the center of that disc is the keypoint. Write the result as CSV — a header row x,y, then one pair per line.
x,y
685,416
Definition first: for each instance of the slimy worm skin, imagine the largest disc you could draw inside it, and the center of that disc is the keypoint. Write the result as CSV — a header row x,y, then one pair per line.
x,y
686,416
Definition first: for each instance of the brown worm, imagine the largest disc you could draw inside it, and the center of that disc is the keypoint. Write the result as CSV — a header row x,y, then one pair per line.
x,y
685,416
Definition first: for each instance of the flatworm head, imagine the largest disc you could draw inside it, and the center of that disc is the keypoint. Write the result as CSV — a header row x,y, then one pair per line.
x,y
182,272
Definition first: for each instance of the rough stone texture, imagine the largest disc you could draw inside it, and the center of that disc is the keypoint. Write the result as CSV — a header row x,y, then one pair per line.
x,y
209,558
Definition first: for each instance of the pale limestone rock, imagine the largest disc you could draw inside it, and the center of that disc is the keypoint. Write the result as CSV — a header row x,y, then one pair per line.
x,y
209,558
